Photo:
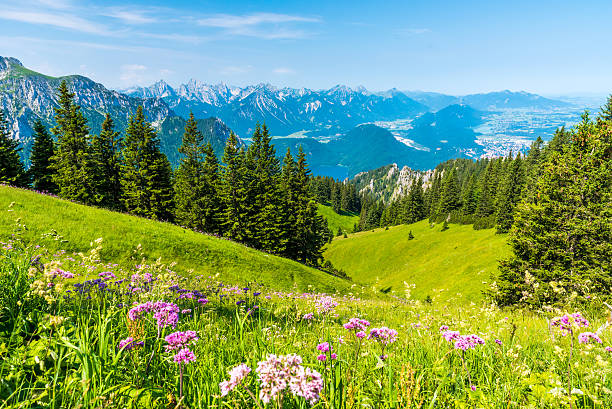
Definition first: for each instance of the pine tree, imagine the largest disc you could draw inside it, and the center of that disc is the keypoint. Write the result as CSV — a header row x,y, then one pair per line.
x,y
210,201
470,196
146,177
336,198
606,110
106,154
486,194
562,237
12,171
40,171
72,161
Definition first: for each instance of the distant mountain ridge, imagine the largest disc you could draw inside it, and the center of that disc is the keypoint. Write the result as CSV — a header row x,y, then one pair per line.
x,y
27,96
284,110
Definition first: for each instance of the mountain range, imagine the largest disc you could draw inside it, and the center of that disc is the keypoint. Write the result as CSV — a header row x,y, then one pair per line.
x,y
336,127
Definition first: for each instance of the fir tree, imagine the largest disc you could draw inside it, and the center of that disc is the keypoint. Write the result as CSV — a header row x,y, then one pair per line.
x,y
146,177
416,202
72,161
210,201
40,170
106,154
12,171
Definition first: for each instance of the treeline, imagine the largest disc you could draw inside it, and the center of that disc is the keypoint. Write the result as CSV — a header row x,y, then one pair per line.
x,y
250,197
342,197
483,192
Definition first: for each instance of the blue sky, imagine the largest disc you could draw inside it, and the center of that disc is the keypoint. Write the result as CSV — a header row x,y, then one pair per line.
x,y
458,47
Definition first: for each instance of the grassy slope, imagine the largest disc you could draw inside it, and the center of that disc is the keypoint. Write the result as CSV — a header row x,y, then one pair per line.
x,y
458,260
203,254
345,221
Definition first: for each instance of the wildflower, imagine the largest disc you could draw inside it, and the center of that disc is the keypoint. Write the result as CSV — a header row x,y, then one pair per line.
x,y
451,335
465,342
107,275
323,347
129,343
497,341
357,324
609,349
166,314
237,375
473,387
325,304
360,334
444,328
179,340
322,357
308,316
587,337
566,323
384,335
203,301
186,311
306,383
184,356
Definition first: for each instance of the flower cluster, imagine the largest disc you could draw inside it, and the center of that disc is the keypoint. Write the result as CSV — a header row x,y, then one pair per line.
x,y
568,322
451,335
279,373
179,341
357,325
384,335
129,343
325,347
166,314
325,304
463,342
237,375
587,337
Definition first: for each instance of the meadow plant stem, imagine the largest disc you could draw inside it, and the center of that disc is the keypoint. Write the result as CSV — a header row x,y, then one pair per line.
x,y
253,397
153,353
569,369
181,383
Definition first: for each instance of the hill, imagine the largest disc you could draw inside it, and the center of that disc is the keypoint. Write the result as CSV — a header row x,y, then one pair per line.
x,y
459,260
200,253
346,221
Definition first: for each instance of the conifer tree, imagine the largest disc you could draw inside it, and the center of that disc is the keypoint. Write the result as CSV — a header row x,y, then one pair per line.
x,y
415,204
12,171
106,154
486,194
72,160
470,196
146,177
40,171
509,195
606,110
234,191
211,199
450,196
562,237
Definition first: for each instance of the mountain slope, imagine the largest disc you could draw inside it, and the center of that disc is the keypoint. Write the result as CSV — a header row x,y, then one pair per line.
x,y
459,260
345,221
26,96
507,99
195,253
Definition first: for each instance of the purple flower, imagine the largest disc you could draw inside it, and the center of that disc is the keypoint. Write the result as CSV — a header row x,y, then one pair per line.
x,y
184,356
322,357
325,304
609,349
357,324
465,342
179,340
587,337
308,316
203,301
451,335
473,387
384,335
237,375
360,334
129,343
166,314
323,347
444,328
497,341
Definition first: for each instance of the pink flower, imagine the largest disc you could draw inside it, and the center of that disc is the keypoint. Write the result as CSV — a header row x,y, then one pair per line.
x,y
609,349
237,375
166,314
566,322
323,347
360,334
325,304
587,337
179,340
184,356
308,316
384,335
465,342
279,373
357,324
444,328
129,343
322,357
451,335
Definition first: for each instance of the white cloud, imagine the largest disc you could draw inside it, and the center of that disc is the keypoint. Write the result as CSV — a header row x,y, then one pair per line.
x,y
261,25
283,71
129,16
414,31
56,20
133,73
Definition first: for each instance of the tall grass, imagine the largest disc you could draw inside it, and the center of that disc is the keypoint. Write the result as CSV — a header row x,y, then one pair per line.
x,y
59,344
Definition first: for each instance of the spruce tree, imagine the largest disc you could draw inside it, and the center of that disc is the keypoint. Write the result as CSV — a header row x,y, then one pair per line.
x,y
509,195
72,161
188,184
450,199
234,191
106,154
40,171
12,171
562,237
486,193
146,177
210,201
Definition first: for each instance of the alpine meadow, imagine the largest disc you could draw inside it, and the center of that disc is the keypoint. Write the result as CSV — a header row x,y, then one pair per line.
x,y
214,241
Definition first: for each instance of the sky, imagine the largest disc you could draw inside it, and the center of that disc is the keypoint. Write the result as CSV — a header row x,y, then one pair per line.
x,y
456,47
